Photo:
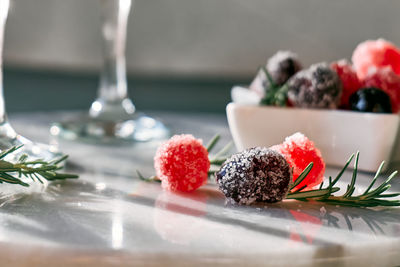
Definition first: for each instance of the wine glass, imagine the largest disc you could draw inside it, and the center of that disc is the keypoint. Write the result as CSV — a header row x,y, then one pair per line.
x,y
112,116
8,136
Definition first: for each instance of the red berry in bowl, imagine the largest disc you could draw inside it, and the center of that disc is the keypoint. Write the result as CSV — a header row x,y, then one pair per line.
x,y
389,82
374,54
299,151
182,163
349,79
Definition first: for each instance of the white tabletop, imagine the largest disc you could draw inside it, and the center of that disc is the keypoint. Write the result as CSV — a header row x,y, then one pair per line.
x,y
110,218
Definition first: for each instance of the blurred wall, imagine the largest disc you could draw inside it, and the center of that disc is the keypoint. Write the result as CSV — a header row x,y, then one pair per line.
x,y
196,37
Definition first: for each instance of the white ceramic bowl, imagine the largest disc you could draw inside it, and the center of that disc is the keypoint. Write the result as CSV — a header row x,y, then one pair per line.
x,y
336,133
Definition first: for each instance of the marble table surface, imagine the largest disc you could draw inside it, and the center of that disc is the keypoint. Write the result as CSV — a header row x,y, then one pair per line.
x,y
108,217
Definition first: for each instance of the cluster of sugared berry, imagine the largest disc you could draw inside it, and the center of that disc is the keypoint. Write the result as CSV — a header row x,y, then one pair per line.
x,y
254,175
265,174
370,84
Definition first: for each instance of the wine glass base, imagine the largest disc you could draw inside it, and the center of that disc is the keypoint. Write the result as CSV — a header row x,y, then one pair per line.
x,y
137,128
9,138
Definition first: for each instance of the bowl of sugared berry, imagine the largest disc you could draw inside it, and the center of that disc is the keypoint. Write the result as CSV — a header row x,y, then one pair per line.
x,y
343,106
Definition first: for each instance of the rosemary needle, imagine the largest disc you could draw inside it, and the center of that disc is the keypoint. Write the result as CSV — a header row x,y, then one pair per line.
x,y
36,170
275,95
376,197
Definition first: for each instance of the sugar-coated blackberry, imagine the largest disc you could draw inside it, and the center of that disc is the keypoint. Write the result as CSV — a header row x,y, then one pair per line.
x,y
255,175
282,66
370,100
316,87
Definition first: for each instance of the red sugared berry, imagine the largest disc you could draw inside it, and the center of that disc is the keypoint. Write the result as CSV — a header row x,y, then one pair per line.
x,y
389,82
182,163
349,79
374,54
299,151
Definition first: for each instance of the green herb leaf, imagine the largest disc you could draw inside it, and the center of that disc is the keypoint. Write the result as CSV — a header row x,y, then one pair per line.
x,y
13,172
369,198
212,142
274,95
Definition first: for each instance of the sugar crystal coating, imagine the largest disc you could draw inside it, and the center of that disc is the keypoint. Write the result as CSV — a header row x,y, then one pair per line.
x,y
299,151
374,54
254,175
316,87
182,163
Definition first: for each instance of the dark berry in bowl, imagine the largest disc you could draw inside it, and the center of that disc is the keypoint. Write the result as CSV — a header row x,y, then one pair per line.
x,y
282,66
370,100
316,87
255,175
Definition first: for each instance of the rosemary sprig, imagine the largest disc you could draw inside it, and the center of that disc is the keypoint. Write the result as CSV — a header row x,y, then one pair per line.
x,y
221,156
211,144
148,179
274,95
36,170
370,198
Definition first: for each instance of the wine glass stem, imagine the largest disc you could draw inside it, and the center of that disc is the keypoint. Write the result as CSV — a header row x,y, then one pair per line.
x,y
113,84
4,6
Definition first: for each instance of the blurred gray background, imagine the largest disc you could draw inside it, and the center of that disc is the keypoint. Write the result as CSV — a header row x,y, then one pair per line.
x,y
184,45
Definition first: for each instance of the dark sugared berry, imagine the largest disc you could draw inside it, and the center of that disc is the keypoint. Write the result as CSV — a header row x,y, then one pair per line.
x,y
282,66
255,175
370,100
316,87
